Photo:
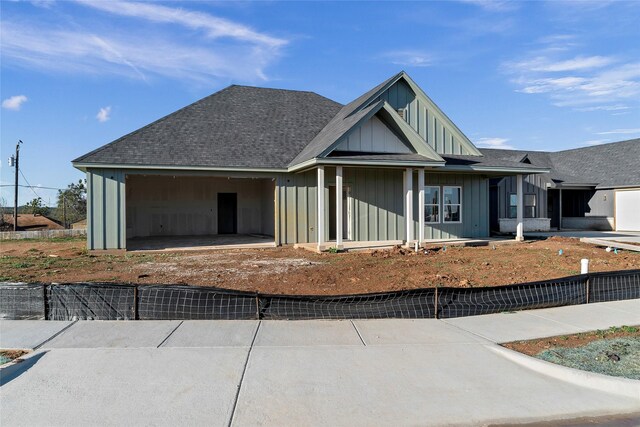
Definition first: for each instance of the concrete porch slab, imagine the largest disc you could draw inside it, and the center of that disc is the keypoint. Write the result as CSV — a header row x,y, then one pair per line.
x,y
349,246
114,334
198,243
306,333
213,333
117,387
412,331
506,327
28,333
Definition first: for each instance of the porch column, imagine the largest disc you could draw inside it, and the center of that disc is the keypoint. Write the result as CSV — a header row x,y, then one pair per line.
x,y
519,210
420,206
339,207
408,176
560,209
320,213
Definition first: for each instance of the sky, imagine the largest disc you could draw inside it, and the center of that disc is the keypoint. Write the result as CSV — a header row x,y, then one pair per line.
x,y
537,75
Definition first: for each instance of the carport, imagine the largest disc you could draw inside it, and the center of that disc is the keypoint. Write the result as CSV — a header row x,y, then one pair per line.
x,y
178,211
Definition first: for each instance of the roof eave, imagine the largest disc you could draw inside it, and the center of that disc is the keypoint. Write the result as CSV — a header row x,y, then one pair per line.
x,y
83,166
497,169
364,163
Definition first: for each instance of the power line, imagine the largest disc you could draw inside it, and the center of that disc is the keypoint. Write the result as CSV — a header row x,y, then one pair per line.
x,y
30,186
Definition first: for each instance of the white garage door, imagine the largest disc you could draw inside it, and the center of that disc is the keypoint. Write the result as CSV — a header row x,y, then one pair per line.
x,y
628,210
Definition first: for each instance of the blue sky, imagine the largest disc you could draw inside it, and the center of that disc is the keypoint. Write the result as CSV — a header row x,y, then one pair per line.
x,y
529,75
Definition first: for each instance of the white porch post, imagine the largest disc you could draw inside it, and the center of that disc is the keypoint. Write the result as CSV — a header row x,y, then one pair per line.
x,y
408,175
420,206
519,210
339,220
320,214
560,210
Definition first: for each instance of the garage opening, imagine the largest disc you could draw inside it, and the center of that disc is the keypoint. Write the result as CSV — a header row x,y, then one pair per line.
x,y
165,212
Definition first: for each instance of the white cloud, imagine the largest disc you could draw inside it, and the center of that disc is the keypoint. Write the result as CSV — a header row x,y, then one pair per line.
x,y
545,64
410,58
586,83
14,102
214,27
223,49
104,114
620,131
617,107
493,143
493,5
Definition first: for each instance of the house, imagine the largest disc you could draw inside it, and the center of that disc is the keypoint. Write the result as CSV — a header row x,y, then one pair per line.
x,y
32,222
79,225
297,167
591,188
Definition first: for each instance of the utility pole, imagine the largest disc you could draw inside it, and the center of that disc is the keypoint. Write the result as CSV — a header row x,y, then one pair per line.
x,y
15,162
64,211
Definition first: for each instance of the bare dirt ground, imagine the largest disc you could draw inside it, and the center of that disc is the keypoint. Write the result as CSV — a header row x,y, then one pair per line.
x,y
286,270
533,347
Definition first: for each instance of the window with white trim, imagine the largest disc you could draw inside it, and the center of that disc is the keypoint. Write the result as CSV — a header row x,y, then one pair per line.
x,y
431,204
513,206
529,205
451,203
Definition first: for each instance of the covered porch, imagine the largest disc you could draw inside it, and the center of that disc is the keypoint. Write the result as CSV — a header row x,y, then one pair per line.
x,y
178,211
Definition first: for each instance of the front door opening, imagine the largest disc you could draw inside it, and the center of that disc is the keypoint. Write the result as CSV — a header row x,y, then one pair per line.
x,y
227,213
346,213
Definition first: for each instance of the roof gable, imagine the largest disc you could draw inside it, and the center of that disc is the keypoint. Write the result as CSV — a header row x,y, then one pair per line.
x,y
422,114
342,125
373,136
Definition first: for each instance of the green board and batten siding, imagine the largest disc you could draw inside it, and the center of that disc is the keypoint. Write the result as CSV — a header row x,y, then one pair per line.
x,y
377,205
426,119
106,228
475,207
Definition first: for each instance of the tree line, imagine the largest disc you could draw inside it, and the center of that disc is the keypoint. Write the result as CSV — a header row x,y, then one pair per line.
x,y
71,206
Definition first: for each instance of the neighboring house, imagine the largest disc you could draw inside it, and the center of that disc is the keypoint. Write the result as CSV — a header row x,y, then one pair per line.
x,y
32,222
592,188
79,225
388,166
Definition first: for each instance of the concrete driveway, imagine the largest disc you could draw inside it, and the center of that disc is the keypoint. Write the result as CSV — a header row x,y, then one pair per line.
x,y
325,373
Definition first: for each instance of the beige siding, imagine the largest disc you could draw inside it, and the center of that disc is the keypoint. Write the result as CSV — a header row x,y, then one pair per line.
x,y
188,206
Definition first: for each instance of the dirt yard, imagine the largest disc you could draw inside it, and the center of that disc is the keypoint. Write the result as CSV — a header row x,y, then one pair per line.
x,y
533,347
295,271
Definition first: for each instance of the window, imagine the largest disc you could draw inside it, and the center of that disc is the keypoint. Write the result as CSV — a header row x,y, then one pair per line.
x,y
431,204
512,211
529,205
452,204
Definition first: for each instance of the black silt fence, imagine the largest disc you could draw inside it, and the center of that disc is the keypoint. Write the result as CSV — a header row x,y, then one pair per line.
x,y
197,303
413,304
614,286
456,302
104,301
22,301
90,301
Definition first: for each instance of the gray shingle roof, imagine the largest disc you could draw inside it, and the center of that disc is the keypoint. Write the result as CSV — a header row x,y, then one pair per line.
x,y
240,126
615,164
489,160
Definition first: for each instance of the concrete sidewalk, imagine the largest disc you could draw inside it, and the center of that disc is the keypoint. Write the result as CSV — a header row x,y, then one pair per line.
x,y
364,372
